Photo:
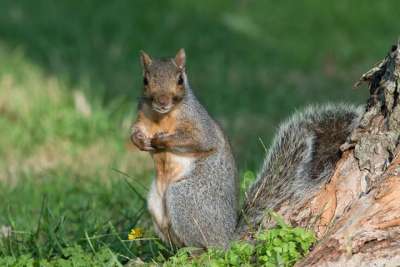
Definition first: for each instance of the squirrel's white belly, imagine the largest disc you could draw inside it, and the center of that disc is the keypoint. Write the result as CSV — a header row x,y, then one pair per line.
x,y
185,164
155,205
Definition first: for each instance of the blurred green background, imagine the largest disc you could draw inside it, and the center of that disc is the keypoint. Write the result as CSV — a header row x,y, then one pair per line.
x,y
70,75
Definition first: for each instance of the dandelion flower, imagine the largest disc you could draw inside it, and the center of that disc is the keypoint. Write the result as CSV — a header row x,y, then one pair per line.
x,y
135,233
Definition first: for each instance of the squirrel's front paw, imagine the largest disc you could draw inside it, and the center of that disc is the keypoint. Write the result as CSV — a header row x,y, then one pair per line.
x,y
159,140
141,141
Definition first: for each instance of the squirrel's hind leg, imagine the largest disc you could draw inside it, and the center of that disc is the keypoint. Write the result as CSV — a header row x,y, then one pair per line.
x,y
198,218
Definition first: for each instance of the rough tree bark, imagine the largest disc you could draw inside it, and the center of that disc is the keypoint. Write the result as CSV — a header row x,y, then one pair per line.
x,y
356,215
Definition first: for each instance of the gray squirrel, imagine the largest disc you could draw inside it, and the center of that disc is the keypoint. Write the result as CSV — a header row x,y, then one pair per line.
x,y
193,199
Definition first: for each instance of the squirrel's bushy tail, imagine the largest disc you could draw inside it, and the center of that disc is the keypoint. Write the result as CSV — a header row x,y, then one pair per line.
x,y
301,157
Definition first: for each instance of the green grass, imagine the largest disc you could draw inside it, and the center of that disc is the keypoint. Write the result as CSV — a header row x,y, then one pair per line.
x,y
71,185
282,245
70,181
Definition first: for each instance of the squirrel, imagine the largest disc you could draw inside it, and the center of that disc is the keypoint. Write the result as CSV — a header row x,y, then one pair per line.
x,y
194,197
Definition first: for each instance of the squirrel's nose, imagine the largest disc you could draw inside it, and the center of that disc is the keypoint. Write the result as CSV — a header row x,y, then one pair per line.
x,y
163,100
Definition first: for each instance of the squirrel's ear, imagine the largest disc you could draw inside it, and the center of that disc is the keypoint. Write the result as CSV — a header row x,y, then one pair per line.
x,y
180,59
145,59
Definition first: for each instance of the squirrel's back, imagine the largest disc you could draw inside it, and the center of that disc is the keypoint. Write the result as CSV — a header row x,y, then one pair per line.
x,y
302,156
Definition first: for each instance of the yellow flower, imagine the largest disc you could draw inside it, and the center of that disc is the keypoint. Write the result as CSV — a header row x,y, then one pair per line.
x,y
135,233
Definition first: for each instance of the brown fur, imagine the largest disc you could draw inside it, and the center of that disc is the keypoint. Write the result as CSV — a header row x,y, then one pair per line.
x,y
152,124
167,171
156,123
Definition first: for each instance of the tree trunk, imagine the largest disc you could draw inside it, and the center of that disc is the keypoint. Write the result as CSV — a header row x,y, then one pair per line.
x,y
356,215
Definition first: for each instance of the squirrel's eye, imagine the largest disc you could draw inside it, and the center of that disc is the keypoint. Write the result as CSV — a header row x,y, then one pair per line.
x,y
145,81
180,80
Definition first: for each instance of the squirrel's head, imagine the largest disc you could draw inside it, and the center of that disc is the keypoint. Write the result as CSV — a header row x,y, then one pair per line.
x,y
164,81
